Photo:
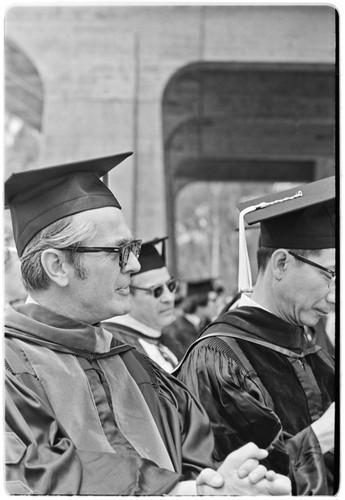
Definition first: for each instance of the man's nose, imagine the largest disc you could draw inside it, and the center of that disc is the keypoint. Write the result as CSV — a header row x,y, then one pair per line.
x,y
167,295
133,265
331,296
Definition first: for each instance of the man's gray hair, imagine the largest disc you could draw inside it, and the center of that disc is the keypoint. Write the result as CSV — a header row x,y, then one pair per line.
x,y
69,231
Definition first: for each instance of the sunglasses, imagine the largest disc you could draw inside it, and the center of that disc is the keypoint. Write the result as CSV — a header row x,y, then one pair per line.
x,y
332,273
125,250
157,290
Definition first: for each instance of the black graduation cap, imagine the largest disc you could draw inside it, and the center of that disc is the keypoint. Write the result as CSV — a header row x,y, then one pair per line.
x,y
198,287
37,198
299,218
150,258
302,217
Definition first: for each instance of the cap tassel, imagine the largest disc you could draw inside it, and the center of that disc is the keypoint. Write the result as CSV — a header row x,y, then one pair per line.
x,y
244,272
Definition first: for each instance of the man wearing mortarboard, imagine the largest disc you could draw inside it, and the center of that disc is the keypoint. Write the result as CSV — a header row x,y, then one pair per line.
x,y
199,307
85,412
152,306
254,370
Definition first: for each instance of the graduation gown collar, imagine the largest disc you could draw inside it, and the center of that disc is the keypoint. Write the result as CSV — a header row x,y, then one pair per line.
x,y
45,325
137,326
266,326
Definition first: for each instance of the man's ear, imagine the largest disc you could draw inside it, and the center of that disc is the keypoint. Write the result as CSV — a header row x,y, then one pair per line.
x,y
279,261
55,265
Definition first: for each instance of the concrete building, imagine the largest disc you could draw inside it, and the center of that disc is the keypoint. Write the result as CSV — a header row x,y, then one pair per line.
x,y
198,92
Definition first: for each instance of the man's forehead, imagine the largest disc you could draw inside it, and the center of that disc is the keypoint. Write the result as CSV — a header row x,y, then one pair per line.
x,y
106,217
328,257
110,224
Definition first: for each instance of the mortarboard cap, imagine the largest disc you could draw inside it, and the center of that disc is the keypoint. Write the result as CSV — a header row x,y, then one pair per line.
x,y
300,218
37,198
200,286
149,257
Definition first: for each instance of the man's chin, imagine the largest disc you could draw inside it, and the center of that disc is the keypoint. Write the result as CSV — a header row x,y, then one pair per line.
x,y
311,321
166,320
122,309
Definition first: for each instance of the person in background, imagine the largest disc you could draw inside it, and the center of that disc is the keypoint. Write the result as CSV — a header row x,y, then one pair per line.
x,y
14,290
178,303
254,370
221,298
86,413
199,308
152,306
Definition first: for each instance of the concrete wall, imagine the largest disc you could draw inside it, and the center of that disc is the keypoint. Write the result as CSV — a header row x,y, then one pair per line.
x,y
104,70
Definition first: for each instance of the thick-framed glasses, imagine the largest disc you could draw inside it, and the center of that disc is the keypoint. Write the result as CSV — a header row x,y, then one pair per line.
x,y
125,250
331,284
157,290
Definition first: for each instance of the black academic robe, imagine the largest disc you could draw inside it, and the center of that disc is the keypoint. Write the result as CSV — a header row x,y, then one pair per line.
x,y
131,337
269,394
179,335
85,415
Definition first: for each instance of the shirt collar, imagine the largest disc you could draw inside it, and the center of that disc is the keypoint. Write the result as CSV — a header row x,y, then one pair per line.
x,y
30,300
246,300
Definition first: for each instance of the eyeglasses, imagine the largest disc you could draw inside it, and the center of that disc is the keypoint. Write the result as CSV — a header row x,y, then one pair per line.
x,y
125,250
158,290
331,284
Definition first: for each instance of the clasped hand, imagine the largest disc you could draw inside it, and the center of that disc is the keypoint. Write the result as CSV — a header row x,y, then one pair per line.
x,y
242,474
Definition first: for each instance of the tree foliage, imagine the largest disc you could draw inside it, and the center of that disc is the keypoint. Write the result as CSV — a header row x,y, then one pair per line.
x,y
207,229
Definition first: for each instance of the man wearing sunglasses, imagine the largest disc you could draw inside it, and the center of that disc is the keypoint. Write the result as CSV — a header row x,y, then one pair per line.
x,y
254,370
86,413
152,306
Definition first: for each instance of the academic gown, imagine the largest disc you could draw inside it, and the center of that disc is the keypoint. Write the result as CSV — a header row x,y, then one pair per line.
x,y
149,346
266,395
87,414
179,335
